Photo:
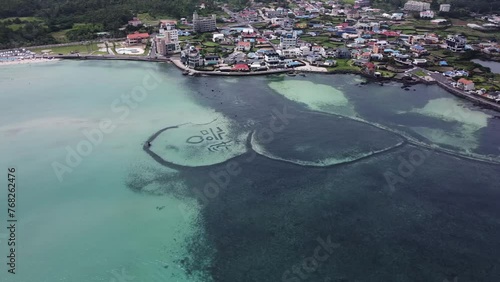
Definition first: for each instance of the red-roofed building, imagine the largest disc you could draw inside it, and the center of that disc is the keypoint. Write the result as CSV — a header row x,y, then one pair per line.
x,y
137,38
370,68
261,41
465,84
389,33
243,46
249,37
240,67
166,24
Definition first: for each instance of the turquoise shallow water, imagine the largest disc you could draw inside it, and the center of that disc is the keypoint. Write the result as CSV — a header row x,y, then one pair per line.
x,y
251,172
89,226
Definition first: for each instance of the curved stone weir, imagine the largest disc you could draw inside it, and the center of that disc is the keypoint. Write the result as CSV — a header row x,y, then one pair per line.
x,y
328,141
196,145
219,136
327,162
416,142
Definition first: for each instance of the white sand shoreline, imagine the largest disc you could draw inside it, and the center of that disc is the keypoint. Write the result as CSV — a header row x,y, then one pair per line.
x,y
27,61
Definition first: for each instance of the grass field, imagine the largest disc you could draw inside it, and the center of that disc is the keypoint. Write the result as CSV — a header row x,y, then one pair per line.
x,y
344,65
470,33
15,26
210,44
60,36
420,73
148,19
20,25
66,50
24,19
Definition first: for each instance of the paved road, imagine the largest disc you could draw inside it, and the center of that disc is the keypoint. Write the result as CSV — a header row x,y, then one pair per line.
x,y
152,49
446,82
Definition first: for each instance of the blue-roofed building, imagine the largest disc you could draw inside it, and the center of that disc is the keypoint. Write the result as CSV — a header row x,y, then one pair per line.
x,y
359,40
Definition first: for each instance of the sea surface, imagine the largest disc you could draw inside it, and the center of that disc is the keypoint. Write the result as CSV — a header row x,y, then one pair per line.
x,y
494,66
129,171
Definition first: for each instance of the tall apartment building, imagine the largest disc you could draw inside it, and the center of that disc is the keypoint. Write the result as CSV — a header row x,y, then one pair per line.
x,y
167,41
444,7
417,6
161,48
204,24
288,40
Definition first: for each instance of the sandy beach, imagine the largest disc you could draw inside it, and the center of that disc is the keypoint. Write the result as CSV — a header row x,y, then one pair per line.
x,y
27,61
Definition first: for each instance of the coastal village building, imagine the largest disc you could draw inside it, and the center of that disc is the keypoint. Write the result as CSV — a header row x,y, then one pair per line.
x,y
288,40
137,38
444,7
211,60
168,24
243,46
427,14
455,43
272,58
465,84
167,41
172,41
204,24
192,57
160,45
290,53
417,6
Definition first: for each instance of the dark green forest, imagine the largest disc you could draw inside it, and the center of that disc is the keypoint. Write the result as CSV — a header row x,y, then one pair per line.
x,y
57,15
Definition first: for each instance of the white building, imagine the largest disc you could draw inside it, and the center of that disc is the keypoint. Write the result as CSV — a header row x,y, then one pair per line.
x,y
427,14
417,6
193,58
288,40
397,16
290,53
272,58
167,41
217,37
444,7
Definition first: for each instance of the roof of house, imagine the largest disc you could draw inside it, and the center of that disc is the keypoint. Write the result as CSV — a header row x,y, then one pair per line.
x,y
243,43
168,21
240,67
212,57
390,33
370,65
249,35
138,35
465,81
